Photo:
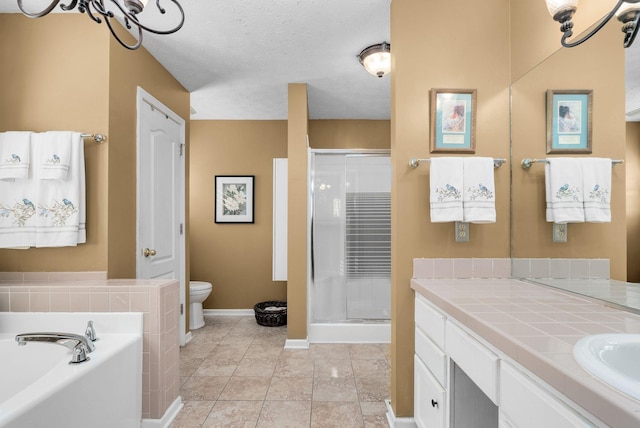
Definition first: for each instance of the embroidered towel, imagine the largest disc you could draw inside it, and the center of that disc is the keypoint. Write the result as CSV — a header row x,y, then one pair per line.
x,y
596,176
18,212
565,186
478,201
14,154
547,192
445,178
62,204
55,154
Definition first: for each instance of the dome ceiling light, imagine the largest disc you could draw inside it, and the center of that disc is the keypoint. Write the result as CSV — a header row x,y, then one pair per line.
x,y
377,59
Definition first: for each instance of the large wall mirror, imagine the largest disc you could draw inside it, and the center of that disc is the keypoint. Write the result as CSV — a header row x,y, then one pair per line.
x,y
597,65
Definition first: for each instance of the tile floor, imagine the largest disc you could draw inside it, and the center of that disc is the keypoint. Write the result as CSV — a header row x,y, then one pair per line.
x,y
236,373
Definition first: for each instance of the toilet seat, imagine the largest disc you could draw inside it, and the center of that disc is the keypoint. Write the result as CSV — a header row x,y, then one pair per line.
x,y
199,286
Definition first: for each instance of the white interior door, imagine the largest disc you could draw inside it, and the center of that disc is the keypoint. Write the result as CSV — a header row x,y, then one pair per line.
x,y
160,200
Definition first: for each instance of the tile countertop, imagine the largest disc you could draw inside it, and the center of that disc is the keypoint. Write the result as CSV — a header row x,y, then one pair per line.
x,y
537,327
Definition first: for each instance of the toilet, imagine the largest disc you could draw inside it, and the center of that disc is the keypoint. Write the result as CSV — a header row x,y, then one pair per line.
x,y
198,293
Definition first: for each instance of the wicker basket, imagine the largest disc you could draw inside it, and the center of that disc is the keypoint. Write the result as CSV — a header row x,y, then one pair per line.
x,y
271,313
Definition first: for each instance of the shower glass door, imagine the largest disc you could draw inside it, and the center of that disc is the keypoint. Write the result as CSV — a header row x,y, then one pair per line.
x,y
351,237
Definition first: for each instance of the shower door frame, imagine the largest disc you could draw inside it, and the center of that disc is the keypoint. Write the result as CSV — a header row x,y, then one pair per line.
x,y
310,211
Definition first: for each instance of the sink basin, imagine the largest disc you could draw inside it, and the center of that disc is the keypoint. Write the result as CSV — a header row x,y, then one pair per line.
x,y
612,358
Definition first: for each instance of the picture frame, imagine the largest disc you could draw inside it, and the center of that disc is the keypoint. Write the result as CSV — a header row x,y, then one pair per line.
x,y
234,198
569,120
453,120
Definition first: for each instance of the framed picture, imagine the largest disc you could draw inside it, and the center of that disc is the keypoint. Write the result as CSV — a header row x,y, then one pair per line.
x,y
569,121
453,120
234,199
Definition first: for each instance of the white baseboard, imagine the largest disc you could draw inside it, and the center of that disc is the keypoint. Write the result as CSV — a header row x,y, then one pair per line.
x,y
228,312
188,337
296,344
168,417
398,422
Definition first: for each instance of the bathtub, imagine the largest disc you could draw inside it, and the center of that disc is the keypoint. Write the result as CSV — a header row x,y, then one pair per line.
x,y
39,388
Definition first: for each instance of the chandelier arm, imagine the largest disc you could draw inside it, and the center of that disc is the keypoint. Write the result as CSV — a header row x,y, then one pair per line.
x,y
130,47
630,34
134,18
98,6
601,24
88,11
45,11
70,6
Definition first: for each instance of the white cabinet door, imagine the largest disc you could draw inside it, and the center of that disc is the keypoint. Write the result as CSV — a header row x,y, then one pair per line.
x,y
429,408
527,405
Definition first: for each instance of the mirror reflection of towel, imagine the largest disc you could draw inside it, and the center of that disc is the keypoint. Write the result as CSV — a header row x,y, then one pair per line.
x,y
565,189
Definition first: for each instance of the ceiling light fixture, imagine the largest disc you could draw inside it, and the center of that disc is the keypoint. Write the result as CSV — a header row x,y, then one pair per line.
x,y
627,12
97,11
377,59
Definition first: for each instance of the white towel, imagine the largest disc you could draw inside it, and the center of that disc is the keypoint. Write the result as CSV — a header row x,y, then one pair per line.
x,y
478,199
55,154
566,191
61,203
14,154
445,177
596,176
547,192
18,212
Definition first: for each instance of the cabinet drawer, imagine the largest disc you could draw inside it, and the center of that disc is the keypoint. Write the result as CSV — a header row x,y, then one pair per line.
x,y
430,321
527,405
431,356
479,363
429,405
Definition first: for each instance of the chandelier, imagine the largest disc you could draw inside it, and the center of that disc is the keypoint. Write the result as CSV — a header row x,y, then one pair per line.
x,y
627,12
98,12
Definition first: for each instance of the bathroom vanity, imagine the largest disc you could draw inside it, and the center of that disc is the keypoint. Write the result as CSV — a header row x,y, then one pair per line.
x,y
498,352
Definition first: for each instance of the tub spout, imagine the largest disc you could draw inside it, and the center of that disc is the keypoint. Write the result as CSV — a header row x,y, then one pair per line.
x,y
79,345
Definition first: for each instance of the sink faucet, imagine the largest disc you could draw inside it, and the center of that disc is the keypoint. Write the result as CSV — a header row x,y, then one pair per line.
x,y
79,345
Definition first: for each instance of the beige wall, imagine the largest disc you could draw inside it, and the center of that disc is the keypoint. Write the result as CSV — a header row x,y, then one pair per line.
x,y
65,72
41,92
123,83
633,201
235,258
473,55
297,145
349,134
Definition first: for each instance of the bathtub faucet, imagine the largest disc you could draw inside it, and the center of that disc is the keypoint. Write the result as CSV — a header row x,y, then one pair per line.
x,y
79,345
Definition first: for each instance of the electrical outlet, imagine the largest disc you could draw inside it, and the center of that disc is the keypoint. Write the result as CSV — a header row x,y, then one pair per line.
x,y
462,231
559,232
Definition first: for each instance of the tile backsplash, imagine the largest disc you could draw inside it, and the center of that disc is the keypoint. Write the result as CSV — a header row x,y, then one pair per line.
x,y
511,268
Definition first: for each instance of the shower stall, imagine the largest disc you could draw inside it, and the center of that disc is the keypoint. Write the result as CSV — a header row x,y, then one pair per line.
x,y
350,237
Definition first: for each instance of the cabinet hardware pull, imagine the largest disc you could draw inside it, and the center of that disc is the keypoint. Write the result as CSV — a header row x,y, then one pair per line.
x,y
434,403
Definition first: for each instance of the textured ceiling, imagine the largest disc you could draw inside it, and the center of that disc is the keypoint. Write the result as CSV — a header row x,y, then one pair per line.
x,y
237,57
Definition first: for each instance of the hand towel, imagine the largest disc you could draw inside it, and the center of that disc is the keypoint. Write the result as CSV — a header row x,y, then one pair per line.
x,y
565,186
61,203
596,176
18,212
14,155
478,201
547,192
55,154
445,177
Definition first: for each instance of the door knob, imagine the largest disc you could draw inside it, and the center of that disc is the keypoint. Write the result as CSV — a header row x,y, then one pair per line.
x,y
148,252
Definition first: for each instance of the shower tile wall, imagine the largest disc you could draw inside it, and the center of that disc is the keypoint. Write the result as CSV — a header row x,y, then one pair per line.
x,y
158,300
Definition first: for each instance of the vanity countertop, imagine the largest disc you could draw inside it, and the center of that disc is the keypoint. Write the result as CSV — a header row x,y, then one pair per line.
x,y
537,327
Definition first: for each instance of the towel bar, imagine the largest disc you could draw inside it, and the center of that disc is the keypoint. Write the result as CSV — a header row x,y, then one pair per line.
x,y
98,138
414,163
528,162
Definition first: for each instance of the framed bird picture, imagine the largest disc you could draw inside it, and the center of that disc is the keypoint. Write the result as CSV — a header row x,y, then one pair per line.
x,y
453,120
234,197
